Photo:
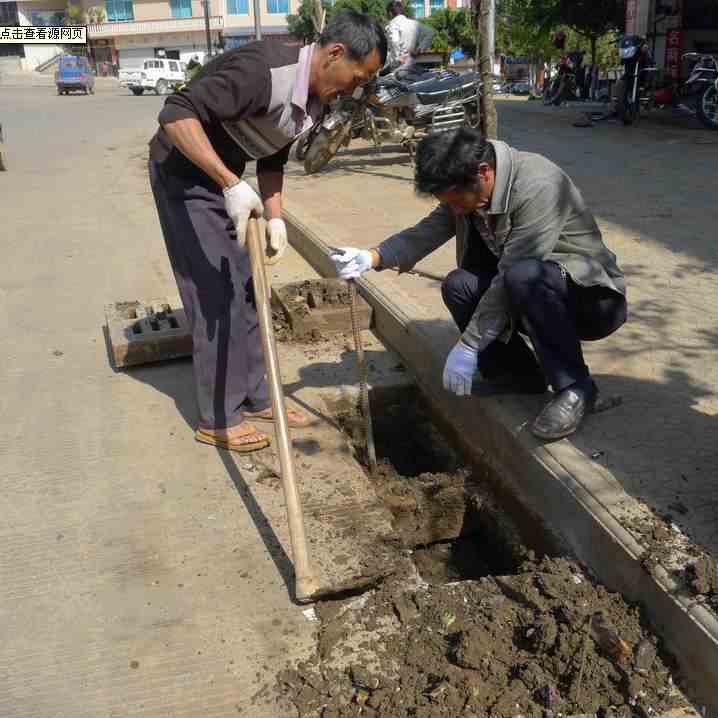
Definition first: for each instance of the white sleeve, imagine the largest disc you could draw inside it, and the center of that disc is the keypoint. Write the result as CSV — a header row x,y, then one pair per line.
x,y
393,36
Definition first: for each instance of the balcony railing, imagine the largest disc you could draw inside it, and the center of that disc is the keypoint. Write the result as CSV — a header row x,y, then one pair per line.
x,y
146,27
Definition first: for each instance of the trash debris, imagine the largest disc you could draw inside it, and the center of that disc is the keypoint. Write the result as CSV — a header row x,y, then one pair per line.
x,y
596,455
644,655
310,614
605,634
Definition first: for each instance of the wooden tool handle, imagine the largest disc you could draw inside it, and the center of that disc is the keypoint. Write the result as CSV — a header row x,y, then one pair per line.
x,y
306,583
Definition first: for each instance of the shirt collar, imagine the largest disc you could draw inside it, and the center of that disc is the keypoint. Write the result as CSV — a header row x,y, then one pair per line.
x,y
504,178
300,95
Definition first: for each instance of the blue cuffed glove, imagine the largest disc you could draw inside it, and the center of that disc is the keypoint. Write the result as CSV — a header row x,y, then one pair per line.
x,y
459,370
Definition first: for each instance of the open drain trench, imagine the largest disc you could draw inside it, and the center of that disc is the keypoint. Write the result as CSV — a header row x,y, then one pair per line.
x,y
474,623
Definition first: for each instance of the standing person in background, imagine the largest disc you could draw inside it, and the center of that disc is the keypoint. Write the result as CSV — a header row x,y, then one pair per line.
x,y
406,37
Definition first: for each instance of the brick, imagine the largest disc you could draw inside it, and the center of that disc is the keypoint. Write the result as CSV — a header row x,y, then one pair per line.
x,y
140,332
319,306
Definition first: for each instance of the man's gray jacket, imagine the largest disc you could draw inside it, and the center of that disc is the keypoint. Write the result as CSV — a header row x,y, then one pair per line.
x,y
536,211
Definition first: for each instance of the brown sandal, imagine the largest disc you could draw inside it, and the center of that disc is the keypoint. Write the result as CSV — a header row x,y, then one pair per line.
x,y
244,444
300,420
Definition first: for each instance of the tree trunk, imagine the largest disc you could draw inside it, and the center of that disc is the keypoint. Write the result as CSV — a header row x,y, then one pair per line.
x,y
594,43
486,63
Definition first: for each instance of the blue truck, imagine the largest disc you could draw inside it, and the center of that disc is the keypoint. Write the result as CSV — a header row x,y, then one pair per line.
x,y
74,74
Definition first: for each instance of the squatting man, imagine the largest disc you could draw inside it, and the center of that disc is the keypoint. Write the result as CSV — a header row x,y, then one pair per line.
x,y
531,261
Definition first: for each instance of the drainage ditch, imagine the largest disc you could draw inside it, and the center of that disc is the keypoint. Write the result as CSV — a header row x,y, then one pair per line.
x,y
481,620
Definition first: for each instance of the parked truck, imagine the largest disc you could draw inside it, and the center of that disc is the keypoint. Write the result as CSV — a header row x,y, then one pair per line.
x,y
159,74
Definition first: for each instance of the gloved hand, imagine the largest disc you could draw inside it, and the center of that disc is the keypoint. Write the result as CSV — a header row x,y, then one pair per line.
x,y
277,242
240,200
350,262
459,370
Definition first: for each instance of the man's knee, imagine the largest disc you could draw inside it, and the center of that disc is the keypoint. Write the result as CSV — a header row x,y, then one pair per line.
x,y
458,287
522,278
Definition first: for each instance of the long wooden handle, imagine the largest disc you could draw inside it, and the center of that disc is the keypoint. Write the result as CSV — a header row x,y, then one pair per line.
x,y
306,582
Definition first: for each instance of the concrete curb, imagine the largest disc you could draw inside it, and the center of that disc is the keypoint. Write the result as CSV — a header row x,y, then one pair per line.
x,y
572,495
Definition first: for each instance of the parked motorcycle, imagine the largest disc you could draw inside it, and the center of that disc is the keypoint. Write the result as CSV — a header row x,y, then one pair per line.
x,y
637,75
401,107
562,88
697,96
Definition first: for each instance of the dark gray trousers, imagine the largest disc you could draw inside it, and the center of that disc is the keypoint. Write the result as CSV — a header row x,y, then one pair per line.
x,y
214,279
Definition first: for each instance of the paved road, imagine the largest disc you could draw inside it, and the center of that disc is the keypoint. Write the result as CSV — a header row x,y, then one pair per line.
x,y
140,575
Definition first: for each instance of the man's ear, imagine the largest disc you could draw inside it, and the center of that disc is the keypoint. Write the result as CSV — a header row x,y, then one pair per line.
x,y
335,51
485,170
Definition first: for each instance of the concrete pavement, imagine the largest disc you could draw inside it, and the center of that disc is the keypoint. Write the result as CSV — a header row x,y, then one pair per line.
x,y
142,573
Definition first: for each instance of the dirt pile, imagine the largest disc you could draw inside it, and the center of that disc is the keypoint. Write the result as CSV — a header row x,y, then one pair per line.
x,y
545,641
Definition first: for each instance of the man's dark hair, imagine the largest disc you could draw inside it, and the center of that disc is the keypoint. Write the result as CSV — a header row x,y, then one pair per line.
x,y
450,160
395,8
358,32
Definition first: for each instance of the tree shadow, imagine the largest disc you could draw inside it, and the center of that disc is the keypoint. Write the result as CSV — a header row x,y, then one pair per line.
x,y
660,443
653,180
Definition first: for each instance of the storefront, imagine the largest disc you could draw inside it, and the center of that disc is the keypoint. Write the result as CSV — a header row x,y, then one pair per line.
x,y
673,28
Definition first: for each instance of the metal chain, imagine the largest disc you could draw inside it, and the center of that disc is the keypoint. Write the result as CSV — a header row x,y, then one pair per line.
x,y
363,385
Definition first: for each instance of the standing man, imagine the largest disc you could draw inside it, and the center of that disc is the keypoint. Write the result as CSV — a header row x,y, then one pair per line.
x,y
530,259
246,104
406,37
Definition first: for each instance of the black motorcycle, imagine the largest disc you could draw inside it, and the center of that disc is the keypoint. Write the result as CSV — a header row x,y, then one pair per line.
x,y
638,74
400,107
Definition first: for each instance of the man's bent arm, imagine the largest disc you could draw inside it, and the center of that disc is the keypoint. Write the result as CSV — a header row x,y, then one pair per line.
x,y
189,137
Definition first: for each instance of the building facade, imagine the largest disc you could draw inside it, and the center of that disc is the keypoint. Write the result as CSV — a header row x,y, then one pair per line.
x,y
122,33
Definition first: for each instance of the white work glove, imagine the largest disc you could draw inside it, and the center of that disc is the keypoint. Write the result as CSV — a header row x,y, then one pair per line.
x,y
459,370
277,242
240,200
350,262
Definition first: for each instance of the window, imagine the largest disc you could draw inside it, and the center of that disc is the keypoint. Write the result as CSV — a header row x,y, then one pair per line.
x,y
118,10
181,8
418,7
238,7
173,67
278,7
435,5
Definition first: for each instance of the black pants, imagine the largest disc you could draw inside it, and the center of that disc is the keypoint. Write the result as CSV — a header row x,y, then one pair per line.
x,y
554,311
214,279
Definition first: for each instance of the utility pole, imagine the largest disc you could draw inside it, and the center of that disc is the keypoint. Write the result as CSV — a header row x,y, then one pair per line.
x,y
486,67
257,20
492,32
208,34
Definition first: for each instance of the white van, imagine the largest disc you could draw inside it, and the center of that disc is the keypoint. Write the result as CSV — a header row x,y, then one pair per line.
x,y
159,74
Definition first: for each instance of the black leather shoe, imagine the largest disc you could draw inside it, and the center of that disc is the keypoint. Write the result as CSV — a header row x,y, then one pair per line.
x,y
564,414
509,383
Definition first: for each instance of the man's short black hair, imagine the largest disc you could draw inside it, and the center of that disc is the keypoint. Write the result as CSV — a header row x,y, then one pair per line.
x,y
394,8
358,32
450,160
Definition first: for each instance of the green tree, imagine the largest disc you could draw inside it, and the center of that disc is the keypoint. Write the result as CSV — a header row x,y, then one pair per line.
x,y
452,29
74,14
304,25
376,8
593,19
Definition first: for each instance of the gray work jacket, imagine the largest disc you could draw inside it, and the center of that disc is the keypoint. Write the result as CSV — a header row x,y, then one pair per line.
x,y
536,211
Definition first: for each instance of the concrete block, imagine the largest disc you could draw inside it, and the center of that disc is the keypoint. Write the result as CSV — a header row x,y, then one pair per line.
x,y
147,331
319,306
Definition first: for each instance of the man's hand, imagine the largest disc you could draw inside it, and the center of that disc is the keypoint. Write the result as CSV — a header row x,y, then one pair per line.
x,y
459,370
277,242
240,201
352,263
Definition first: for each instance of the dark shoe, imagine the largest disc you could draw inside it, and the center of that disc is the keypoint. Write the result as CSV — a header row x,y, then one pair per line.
x,y
564,414
509,383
